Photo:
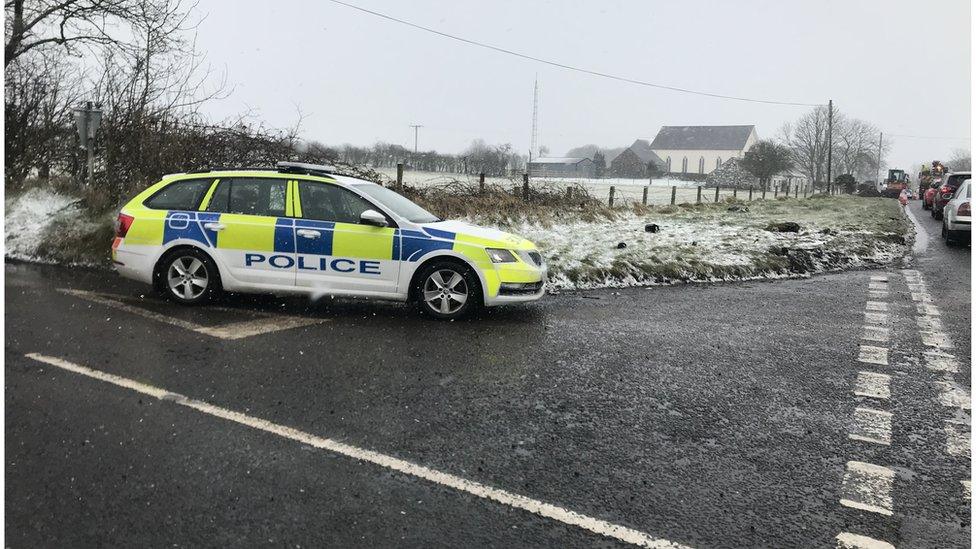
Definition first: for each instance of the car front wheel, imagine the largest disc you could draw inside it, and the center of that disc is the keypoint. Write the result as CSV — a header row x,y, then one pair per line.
x,y
447,290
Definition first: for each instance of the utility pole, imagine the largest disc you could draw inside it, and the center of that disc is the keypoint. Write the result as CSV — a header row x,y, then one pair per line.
x,y
878,174
416,129
535,118
830,143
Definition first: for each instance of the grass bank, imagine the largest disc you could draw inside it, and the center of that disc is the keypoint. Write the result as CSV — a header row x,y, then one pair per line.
x,y
587,244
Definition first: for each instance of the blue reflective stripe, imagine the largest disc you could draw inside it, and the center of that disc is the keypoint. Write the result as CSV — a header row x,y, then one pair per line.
x,y
437,233
414,244
318,246
284,237
189,226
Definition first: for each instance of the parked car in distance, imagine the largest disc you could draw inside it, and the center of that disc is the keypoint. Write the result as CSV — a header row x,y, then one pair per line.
x,y
957,216
950,183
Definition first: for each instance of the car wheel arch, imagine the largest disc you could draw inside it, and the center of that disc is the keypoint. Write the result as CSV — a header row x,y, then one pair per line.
x,y
174,249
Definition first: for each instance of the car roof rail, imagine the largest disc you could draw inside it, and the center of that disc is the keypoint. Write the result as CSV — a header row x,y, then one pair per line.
x,y
231,169
307,169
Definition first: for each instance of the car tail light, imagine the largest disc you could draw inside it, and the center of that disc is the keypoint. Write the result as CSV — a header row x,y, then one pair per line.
x,y
964,209
945,189
122,224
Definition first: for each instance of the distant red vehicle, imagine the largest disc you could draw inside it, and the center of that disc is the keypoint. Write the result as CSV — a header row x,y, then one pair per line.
x,y
929,197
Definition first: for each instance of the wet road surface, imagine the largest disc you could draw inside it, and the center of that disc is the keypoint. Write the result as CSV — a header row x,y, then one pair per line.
x,y
733,415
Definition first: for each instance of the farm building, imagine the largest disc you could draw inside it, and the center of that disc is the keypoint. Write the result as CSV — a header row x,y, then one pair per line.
x,y
636,160
701,149
561,167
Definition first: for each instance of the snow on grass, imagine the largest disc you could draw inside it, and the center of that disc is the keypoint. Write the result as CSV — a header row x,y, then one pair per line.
x,y
28,217
711,243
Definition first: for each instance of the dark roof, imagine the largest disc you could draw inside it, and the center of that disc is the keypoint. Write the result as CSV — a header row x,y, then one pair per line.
x,y
559,160
722,138
643,151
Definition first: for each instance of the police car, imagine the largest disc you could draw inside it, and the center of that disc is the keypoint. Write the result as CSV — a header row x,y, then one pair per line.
x,y
307,228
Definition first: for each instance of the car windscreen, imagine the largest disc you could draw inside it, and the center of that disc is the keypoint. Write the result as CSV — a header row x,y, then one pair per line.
x,y
398,204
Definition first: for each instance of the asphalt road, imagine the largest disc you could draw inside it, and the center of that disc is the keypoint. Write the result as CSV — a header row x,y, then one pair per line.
x,y
702,415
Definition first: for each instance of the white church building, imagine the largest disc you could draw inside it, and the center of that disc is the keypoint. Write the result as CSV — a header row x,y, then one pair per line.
x,y
701,149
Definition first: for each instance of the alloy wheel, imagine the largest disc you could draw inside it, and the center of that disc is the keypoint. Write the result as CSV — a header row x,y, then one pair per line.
x,y
187,277
445,291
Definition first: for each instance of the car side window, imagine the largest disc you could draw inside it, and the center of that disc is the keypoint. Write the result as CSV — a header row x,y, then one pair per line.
x,y
253,196
220,197
180,195
329,202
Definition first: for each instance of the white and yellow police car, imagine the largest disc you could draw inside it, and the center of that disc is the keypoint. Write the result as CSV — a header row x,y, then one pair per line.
x,y
306,228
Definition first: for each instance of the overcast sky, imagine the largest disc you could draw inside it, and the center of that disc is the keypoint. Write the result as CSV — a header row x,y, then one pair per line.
x,y
902,65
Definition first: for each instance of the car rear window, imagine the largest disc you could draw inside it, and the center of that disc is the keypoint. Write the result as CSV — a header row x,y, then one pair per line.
x,y
254,196
180,195
956,180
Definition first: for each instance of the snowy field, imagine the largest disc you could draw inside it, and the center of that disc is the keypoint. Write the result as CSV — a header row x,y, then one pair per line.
x,y
625,190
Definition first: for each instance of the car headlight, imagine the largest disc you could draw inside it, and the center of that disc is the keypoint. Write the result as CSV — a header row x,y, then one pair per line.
x,y
498,255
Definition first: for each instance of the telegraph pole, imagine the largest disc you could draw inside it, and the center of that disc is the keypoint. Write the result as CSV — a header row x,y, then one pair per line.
x,y
416,129
878,174
830,143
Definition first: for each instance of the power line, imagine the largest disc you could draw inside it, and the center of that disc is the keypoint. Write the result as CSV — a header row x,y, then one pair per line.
x,y
570,67
930,137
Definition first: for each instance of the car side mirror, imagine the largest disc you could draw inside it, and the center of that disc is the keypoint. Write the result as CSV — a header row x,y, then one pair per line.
x,y
374,218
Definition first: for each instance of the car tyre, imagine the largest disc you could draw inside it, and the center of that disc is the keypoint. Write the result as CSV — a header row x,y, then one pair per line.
x,y
188,276
446,290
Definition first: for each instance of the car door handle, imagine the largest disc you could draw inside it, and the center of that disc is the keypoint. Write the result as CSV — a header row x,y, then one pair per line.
x,y
213,226
308,233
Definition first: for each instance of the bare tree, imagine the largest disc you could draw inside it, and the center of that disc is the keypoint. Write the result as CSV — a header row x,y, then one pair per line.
x,y
961,160
807,140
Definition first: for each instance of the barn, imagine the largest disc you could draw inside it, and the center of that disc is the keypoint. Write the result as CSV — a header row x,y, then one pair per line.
x,y
561,167
636,161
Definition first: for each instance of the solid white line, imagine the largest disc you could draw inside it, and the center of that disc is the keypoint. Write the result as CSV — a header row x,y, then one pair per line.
x,y
233,330
872,426
921,240
873,385
560,514
868,487
876,306
873,355
846,540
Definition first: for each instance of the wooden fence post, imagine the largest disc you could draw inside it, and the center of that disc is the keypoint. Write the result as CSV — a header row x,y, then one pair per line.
x,y
611,195
525,185
481,182
400,176
699,194
716,193
674,194
796,191
750,193
645,196
775,191
735,193
764,192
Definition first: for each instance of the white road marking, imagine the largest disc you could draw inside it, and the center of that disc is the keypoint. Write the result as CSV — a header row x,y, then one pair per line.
x,y
923,297
876,318
918,287
941,362
957,439
954,396
875,306
911,273
560,514
846,540
929,323
235,330
927,309
879,278
880,286
868,487
935,339
967,486
873,355
877,294
872,385
875,333
872,426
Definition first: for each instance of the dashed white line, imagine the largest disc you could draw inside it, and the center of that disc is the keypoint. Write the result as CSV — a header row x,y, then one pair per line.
x,y
927,309
846,540
923,297
941,362
880,319
879,278
936,339
872,426
967,486
868,487
876,306
881,286
957,440
929,323
877,294
873,355
952,395
875,333
873,385
504,497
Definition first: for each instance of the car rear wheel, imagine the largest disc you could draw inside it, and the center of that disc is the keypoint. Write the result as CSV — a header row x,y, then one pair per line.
x,y
447,290
189,277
